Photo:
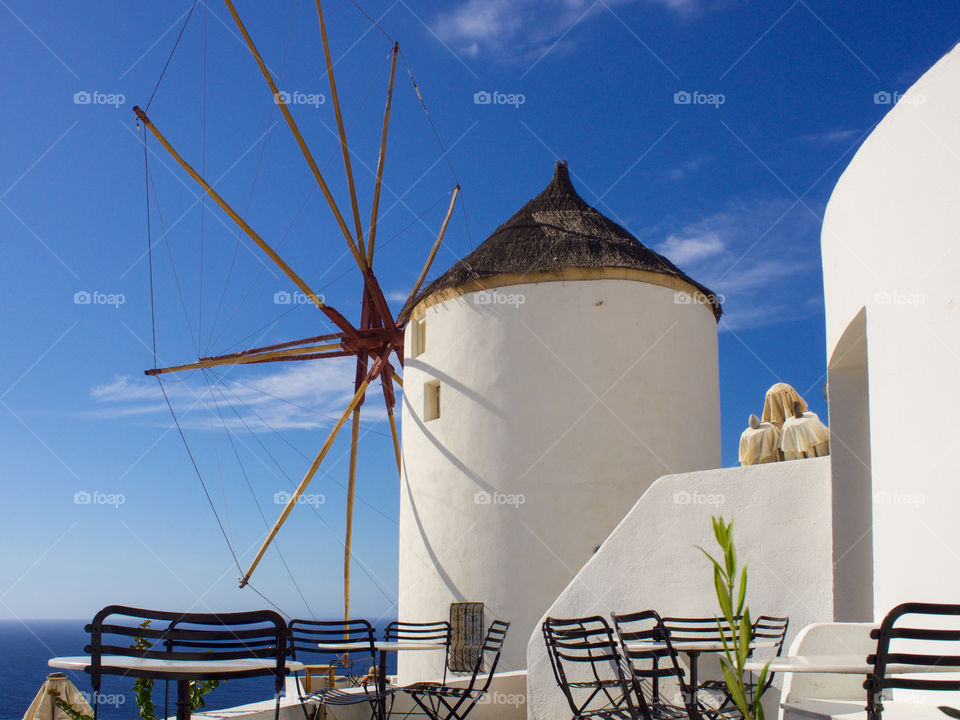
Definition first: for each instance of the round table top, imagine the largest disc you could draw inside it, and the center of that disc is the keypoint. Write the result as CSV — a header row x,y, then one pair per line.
x,y
840,664
81,662
689,646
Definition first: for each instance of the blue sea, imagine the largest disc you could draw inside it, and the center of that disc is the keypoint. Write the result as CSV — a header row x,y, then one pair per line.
x,y
25,648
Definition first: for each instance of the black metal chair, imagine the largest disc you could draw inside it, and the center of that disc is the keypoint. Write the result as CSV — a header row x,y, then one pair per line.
x,y
590,670
766,629
196,640
651,659
443,701
924,645
437,632
339,642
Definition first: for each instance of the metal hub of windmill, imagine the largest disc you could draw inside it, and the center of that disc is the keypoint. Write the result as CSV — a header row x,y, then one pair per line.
x,y
372,340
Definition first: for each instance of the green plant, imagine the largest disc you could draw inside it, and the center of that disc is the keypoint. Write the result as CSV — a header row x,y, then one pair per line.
x,y
949,711
69,709
143,687
736,615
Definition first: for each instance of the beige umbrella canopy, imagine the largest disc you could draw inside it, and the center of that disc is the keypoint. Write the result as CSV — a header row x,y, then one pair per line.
x,y
778,405
804,436
759,443
43,706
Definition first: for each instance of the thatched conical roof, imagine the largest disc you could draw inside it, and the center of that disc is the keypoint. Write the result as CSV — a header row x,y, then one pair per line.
x,y
556,231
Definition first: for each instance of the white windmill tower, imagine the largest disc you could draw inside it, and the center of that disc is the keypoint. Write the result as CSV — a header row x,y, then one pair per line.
x,y
550,377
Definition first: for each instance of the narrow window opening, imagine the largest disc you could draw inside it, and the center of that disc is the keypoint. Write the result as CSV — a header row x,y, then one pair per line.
x,y
419,338
431,400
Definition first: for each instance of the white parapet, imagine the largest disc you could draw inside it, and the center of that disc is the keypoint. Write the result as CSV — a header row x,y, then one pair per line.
x,y
783,529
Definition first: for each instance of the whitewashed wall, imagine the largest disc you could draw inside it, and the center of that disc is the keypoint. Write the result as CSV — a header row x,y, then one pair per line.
x,y
783,530
558,409
891,248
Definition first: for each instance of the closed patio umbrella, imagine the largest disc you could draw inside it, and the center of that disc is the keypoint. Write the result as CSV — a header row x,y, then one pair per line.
x,y
43,706
804,436
759,443
778,404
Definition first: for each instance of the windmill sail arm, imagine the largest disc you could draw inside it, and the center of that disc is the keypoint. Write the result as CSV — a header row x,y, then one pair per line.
x,y
245,359
436,245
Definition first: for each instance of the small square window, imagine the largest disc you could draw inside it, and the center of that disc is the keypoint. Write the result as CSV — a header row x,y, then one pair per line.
x,y
418,337
431,400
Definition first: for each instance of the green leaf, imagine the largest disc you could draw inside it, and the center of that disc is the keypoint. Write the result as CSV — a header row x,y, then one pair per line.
x,y
949,711
735,686
743,591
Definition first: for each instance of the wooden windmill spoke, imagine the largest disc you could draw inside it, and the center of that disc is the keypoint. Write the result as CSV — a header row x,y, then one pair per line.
x,y
341,129
436,245
351,489
372,373
386,378
328,443
374,213
334,316
245,359
308,156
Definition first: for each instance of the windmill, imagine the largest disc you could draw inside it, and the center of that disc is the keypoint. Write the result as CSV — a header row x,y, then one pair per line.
x,y
372,340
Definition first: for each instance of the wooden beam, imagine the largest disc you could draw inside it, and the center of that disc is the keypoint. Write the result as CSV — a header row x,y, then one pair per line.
x,y
351,489
436,245
341,129
308,156
371,240
334,316
328,443
243,359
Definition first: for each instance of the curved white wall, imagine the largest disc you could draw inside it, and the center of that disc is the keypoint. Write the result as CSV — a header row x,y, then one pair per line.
x,y
782,529
890,248
569,404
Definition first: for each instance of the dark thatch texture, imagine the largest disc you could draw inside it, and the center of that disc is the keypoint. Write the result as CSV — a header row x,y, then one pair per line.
x,y
555,231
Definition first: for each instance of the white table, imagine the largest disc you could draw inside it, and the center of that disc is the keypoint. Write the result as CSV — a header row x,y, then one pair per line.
x,y
841,664
692,649
177,669
383,647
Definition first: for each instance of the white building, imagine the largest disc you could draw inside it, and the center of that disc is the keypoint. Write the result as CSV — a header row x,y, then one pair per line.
x,y
551,376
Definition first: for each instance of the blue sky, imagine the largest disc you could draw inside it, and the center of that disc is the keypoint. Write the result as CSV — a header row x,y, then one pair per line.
x,y
732,186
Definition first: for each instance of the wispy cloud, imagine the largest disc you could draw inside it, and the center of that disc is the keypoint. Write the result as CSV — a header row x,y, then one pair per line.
x,y
828,137
522,29
760,255
298,396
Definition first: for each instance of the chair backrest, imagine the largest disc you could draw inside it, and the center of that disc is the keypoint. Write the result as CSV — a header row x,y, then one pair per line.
x,y
336,638
588,666
768,628
647,646
432,632
708,629
488,656
177,636
931,641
